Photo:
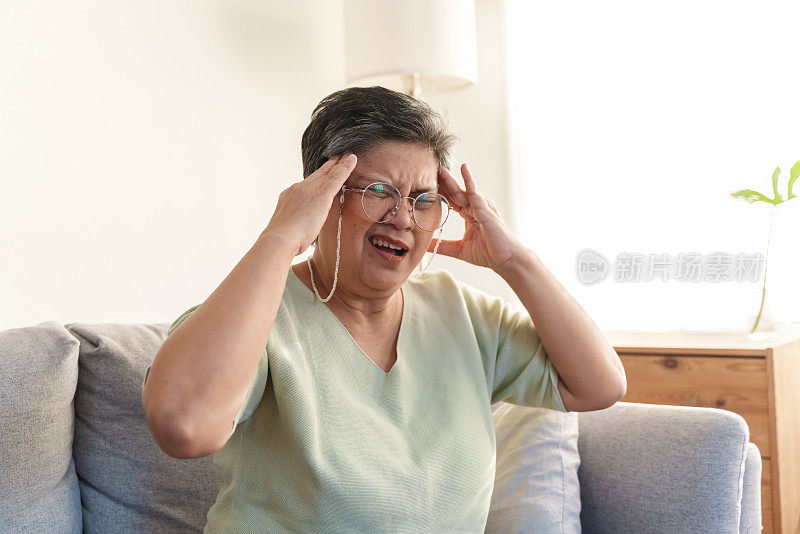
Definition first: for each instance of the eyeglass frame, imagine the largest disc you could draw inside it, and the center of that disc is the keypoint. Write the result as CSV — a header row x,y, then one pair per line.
x,y
396,209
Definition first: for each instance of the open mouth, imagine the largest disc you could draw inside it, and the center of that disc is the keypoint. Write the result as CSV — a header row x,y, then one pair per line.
x,y
385,247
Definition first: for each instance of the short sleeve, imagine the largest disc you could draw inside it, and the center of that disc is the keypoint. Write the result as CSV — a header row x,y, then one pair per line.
x,y
520,371
257,384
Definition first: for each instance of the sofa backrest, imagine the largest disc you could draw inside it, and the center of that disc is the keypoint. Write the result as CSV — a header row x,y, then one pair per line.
x,y
77,454
82,457
128,484
38,485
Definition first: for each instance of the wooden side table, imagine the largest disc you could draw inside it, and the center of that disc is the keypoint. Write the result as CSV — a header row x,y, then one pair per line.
x,y
759,380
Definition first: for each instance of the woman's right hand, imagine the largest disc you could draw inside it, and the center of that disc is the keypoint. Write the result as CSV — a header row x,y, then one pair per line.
x,y
303,207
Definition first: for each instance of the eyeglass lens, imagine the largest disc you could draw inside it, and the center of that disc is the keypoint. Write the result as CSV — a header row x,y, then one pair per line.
x,y
381,202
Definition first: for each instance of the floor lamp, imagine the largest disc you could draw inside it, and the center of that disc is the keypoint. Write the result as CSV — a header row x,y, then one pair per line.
x,y
414,46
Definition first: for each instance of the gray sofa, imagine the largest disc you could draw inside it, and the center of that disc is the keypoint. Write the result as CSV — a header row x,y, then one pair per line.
x,y
77,454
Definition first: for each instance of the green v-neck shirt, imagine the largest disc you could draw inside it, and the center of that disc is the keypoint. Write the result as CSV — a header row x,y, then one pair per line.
x,y
326,441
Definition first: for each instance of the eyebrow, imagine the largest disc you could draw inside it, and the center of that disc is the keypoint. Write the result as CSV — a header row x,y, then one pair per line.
x,y
366,180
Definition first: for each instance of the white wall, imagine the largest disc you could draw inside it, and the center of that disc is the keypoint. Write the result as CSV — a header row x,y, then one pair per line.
x,y
478,115
143,145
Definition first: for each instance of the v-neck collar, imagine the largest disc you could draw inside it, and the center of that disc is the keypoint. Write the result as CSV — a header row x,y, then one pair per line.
x,y
400,335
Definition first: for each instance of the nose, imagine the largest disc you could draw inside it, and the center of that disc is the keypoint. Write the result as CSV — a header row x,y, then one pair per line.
x,y
403,218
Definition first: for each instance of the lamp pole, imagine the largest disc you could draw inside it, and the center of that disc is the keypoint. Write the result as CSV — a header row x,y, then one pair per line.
x,y
412,84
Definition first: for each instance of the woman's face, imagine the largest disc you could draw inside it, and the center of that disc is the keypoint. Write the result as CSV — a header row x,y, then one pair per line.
x,y
363,269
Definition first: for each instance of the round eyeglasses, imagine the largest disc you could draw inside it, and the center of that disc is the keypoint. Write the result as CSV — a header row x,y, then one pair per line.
x,y
381,202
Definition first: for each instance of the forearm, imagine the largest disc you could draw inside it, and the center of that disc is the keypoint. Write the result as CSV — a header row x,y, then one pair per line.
x,y
586,362
201,373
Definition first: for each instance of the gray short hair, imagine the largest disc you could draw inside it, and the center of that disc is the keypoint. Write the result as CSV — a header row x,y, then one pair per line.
x,y
358,119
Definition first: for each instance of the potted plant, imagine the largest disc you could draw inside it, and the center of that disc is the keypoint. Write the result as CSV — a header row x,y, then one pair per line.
x,y
752,196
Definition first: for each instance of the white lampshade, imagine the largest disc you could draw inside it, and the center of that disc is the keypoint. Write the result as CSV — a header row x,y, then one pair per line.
x,y
401,44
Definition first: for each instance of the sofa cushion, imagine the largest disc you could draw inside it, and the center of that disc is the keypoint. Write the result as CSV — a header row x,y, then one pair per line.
x,y
38,373
536,486
127,483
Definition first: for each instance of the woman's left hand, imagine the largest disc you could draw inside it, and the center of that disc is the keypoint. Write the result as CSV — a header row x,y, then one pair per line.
x,y
487,241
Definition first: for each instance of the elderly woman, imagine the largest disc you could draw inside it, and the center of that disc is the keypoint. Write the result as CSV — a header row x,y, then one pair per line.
x,y
348,393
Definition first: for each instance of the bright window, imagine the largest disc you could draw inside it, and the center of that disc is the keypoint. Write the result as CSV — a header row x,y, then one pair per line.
x,y
631,122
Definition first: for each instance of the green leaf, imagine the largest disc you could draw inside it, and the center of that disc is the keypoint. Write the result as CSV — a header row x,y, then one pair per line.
x,y
793,174
775,175
752,196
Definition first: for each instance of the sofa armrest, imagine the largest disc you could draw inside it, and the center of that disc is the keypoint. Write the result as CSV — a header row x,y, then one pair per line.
x,y
751,498
655,468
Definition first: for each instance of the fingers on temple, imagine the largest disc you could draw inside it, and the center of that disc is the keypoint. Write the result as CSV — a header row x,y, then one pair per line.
x,y
343,168
451,188
328,165
469,180
473,196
